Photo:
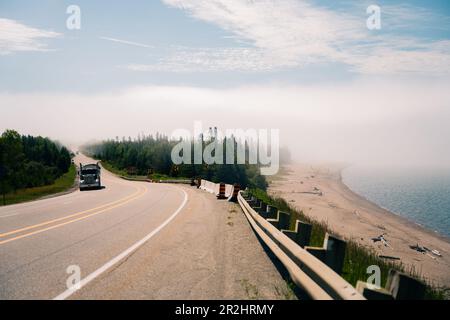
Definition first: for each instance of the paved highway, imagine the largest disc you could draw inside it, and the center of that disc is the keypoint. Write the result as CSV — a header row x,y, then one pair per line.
x,y
130,240
40,240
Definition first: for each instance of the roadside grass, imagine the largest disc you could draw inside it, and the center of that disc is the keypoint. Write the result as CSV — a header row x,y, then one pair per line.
x,y
357,258
123,173
158,176
63,183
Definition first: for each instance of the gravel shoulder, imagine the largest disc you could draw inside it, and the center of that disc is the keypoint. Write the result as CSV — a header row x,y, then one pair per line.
x,y
208,252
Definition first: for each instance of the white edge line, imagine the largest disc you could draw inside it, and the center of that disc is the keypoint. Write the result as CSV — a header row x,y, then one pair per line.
x,y
121,256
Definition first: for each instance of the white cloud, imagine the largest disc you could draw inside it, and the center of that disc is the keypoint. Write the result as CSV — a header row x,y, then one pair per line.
x,y
213,60
433,59
15,36
290,33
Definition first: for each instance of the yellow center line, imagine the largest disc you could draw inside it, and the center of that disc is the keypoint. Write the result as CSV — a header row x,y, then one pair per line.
x,y
74,220
2,235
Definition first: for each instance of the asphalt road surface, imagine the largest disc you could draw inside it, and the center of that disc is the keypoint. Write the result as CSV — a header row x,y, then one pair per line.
x,y
132,240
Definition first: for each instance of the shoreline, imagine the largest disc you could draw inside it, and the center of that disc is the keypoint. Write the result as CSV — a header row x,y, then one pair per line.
x,y
321,193
398,216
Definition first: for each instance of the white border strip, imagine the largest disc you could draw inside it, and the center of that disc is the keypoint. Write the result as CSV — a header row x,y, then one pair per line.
x,y
121,256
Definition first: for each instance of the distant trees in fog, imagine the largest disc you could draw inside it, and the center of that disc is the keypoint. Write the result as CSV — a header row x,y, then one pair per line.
x,y
152,154
27,161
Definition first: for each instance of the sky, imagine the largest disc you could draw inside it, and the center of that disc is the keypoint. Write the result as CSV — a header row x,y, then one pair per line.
x,y
337,90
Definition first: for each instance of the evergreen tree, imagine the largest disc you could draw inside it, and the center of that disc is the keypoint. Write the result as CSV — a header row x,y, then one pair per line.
x,y
27,161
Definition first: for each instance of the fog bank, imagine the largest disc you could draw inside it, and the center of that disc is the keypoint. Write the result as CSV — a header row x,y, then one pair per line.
x,y
365,122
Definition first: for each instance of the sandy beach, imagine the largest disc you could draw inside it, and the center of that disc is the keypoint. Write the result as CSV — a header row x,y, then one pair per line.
x,y
319,192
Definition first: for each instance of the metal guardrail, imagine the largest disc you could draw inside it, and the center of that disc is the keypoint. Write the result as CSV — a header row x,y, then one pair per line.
x,y
307,271
316,270
317,279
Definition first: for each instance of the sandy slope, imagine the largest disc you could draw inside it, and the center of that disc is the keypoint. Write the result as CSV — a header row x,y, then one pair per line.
x,y
320,193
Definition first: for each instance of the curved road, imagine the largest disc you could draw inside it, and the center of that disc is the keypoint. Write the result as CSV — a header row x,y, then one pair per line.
x,y
133,240
40,240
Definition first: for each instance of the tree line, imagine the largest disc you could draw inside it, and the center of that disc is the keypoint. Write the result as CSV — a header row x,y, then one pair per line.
x,y
149,155
27,161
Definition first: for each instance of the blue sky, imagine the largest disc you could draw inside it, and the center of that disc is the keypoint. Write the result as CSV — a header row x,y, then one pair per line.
x,y
336,90
79,60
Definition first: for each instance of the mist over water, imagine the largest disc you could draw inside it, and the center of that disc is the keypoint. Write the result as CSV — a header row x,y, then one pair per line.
x,y
362,122
420,194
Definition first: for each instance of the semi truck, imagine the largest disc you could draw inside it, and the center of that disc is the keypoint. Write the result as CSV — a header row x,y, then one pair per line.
x,y
90,176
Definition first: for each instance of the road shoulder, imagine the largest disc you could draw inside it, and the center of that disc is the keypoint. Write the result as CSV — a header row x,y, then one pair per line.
x,y
208,252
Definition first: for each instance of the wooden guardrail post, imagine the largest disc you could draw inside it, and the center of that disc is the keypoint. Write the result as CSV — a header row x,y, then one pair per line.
x,y
335,252
251,200
271,213
282,221
332,253
404,287
301,234
263,208
317,252
371,293
256,203
399,286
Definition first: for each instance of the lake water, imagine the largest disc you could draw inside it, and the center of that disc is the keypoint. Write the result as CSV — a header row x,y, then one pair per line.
x,y
420,195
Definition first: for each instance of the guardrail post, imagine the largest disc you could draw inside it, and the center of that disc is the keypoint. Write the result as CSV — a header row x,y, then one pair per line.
x,y
256,204
332,253
246,194
263,208
302,233
399,286
335,252
317,252
371,293
282,221
271,213
404,287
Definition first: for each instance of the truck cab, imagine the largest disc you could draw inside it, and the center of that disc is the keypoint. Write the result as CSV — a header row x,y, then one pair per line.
x,y
90,176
